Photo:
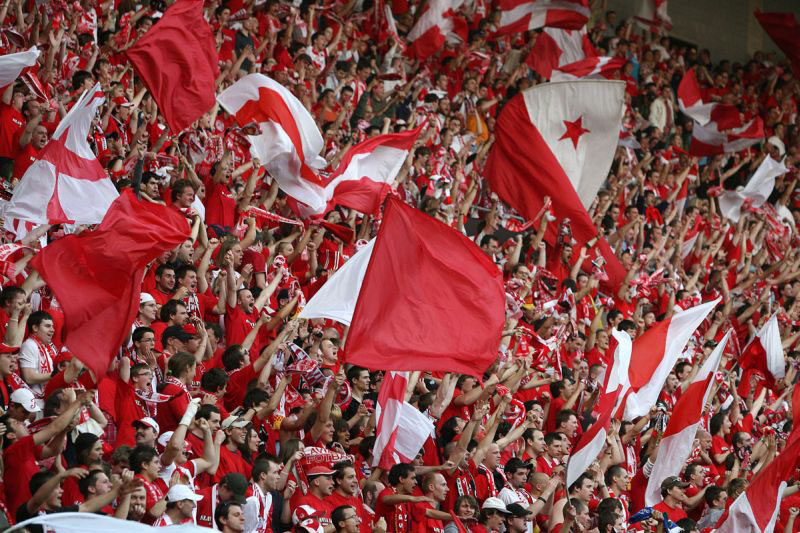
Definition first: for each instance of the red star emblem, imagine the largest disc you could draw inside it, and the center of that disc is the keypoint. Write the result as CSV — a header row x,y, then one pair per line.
x,y
574,131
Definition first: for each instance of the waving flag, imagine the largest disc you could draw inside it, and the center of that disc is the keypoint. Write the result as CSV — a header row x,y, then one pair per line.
x,y
653,15
366,172
676,443
439,23
289,143
590,68
757,508
591,442
654,356
555,48
524,15
177,61
756,192
12,65
97,275
690,99
430,299
336,299
714,139
558,140
66,184
402,429
764,355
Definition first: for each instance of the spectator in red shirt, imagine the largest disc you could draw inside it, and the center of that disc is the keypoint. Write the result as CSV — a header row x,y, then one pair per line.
x,y
673,492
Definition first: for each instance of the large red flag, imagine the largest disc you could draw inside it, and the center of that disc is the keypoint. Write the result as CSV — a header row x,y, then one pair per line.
x,y
784,30
177,61
430,299
97,274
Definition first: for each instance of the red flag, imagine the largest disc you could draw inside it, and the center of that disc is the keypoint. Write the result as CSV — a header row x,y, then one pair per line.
x,y
763,357
559,140
524,15
177,61
556,48
784,30
756,509
97,274
430,300
438,23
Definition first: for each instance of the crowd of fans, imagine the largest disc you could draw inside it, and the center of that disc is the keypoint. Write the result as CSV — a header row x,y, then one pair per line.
x,y
225,410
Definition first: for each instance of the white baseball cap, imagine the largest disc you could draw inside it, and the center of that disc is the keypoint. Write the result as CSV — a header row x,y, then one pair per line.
x,y
179,492
146,298
25,398
494,503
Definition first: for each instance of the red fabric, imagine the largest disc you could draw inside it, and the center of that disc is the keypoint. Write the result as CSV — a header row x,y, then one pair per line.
x,y
177,61
784,31
430,299
97,274
522,178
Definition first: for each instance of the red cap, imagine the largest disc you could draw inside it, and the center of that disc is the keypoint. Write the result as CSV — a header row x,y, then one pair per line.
x,y
319,470
190,329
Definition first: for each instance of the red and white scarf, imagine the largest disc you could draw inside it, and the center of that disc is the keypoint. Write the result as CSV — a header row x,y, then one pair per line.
x,y
47,354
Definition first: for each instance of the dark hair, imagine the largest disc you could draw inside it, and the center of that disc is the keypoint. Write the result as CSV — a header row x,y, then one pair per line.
x,y
8,294
140,332
169,309
399,471
232,357
716,422
713,492
222,511
179,362
253,397
163,268
552,437
89,481
337,515
261,465
612,472
214,380
178,187
205,411
183,270
354,372
140,455
83,446
37,317
564,416
39,479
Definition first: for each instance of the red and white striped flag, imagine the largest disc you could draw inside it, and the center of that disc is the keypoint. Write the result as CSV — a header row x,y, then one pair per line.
x,y
690,99
757,508
654,356
599,67
366,172
591,442
289,143
653,15
12,65
439,23
676,443
714,138
524,15
402,429
764,355
555,48
66,184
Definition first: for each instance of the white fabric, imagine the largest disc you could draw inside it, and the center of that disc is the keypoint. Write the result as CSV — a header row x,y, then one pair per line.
x,y
742,518
677,446
95,523
273,147
757,190
434,17
337,298
82,200
12,65
681,327
537,9
600,104
770,338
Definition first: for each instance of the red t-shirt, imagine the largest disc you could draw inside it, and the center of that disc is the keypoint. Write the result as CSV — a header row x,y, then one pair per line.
x,y
154,495
220,205
231,462
11,124
397,516
24,159
674,513
421,523
20,465
238,324
171,411
337,500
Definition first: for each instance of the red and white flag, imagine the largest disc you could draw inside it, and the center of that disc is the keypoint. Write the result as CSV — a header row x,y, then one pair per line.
x,y
556,48
366,172
764,354
289,143
402,429
439,23
653,15
676,443
758,507
558,140
337,297
756,192
591,442
654,356
690,99
66,184
12,65
524,15
599,67
713,139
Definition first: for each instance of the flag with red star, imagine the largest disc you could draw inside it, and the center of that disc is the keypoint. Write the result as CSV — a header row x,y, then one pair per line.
x,y
558,140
